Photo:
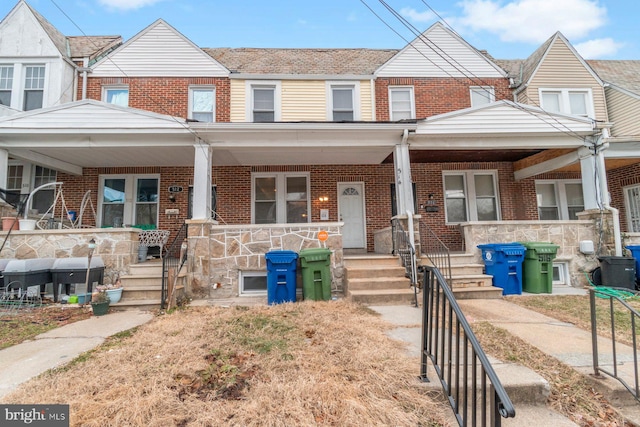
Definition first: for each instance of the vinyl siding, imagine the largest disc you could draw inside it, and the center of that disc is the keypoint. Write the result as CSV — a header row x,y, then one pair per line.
x,y
366,101
238,101
159,51
304,100
623,113
23,36
562,69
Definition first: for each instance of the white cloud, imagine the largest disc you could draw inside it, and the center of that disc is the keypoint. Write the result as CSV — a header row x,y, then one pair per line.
x,y
532,21
127,4
598,48
415,16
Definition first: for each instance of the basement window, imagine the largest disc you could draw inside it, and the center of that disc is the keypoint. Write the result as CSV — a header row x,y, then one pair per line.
x,y
560,273
253,283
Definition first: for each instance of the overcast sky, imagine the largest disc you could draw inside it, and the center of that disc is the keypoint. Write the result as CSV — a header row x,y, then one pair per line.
x,y
508,29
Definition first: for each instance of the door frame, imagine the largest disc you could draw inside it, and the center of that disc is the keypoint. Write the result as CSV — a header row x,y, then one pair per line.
x,y
361,184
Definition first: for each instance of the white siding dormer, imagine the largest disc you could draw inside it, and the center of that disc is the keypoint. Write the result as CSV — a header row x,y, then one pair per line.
x,y
159,51
22,36
439,53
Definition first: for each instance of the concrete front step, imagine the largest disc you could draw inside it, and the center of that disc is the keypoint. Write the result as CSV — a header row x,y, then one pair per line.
x,y
374,272
471,280
146,268
372,260
378,283
383,296
479,292
139,304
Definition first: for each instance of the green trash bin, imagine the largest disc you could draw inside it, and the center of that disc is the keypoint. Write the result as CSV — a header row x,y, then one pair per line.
x,y
538,267
316,274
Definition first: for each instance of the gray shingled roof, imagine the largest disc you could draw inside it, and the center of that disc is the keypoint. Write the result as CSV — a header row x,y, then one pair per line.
x,y
92,46
301,61
622,73
58,39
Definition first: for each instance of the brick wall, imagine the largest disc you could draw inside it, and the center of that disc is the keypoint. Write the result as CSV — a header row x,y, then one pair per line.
x,y
436,95
617,180
163,95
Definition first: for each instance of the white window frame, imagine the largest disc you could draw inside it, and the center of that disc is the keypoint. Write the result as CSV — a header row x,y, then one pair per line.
x,y
355,88
107,88
281,195
565,105
130,202
392,90
487,93
7,83
207,88
632,207
276,85
561,195
470,193
34,89
250,273
563,273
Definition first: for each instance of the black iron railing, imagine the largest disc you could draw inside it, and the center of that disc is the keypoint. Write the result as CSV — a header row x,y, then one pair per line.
x,y
470,383
436,251
172,262
403,247
627,375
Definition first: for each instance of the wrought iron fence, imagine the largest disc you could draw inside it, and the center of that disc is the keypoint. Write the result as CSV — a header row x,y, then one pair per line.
x,y
627,375
172,262
403,246
470,383
436,251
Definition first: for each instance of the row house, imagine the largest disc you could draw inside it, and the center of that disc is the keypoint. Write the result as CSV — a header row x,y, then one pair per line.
x,y
261,149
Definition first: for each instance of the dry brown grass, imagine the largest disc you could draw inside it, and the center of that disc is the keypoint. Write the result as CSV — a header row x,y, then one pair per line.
x,y
311,363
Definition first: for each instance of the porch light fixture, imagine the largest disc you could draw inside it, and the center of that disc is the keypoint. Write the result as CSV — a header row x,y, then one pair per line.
x,y
92,247
323,198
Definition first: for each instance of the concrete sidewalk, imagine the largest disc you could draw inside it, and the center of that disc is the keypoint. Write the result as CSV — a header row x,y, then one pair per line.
x,y
56,347
564,341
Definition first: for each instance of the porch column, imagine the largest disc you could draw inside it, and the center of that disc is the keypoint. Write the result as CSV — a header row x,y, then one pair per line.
x,y
202,181
594,183
4,168
402,167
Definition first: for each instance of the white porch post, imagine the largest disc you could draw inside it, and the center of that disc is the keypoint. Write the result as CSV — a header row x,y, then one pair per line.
x,y
202,181
594,178
4,167
402,167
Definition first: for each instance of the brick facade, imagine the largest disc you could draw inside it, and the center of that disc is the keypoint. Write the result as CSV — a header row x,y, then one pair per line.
x,y
618,179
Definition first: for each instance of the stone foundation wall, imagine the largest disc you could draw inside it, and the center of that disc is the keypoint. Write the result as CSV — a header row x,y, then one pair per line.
x,y
118,249
566,234
219,253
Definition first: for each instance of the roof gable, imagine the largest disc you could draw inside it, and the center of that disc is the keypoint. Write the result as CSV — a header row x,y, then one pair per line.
x,y
438,52
159,51
24,32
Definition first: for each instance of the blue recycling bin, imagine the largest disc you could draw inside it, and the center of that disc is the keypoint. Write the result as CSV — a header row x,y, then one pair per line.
x,y
635,253
281,276
503,261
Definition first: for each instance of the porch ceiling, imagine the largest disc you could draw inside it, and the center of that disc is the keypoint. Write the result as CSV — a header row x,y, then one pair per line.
x,y
450,156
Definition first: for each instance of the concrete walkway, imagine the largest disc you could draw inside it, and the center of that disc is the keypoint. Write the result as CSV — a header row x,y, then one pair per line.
x,y
56,347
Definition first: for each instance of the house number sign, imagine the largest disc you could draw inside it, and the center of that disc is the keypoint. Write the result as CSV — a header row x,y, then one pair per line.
x,y
175,189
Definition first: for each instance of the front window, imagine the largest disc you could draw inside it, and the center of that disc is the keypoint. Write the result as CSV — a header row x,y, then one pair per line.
x,y
6,84
342,103
401,103
632,204
264,108
43,199
481,95
117,96
471,196
559,199
575,101
280,198
14,177
33,87
129,199
202,103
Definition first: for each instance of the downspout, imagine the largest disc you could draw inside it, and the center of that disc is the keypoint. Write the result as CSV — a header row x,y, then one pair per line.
x,y
85,66
599,147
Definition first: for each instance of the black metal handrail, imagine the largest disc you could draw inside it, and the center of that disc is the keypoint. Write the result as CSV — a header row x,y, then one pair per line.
x,y
173,260
615,300
436,251
405,249
470,383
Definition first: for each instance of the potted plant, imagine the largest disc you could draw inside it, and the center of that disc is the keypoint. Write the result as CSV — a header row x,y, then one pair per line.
x,y
114,290
100,303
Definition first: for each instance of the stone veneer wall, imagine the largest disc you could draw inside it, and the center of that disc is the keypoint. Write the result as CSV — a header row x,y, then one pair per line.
x,y
218,253
118,249
566,234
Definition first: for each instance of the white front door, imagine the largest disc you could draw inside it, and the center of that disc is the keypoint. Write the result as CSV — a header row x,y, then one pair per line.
x,y
129,199
351,212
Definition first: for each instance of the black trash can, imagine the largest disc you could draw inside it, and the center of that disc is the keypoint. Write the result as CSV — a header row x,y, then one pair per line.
x,y
618,272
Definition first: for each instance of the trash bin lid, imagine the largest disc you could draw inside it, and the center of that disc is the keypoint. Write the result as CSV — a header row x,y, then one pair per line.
x,y
26,265
278,257
541,247
77,263
4,262
315,252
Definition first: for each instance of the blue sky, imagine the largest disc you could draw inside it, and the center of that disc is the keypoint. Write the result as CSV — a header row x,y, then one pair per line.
x,y
508,29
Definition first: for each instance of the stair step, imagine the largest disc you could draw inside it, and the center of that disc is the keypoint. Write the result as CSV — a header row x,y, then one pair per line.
x,y
374,272
480,292
365,261
382,297
377,283
140,304
145,268
474,280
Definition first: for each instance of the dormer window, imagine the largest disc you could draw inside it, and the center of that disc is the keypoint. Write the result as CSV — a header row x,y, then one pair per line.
x,y
202,103
578,102
33,87
117,95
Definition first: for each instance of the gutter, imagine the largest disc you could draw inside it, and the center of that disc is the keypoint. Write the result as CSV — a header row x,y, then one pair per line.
x,y
599,147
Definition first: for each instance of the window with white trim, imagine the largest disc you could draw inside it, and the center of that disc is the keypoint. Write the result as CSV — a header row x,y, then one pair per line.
x,y
14,177
117,95
253,282
632,205
560,275
33,87
481,95
559,199
6,84
578,102
280,198
401,103
43,199
202,103
471,196
264,104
